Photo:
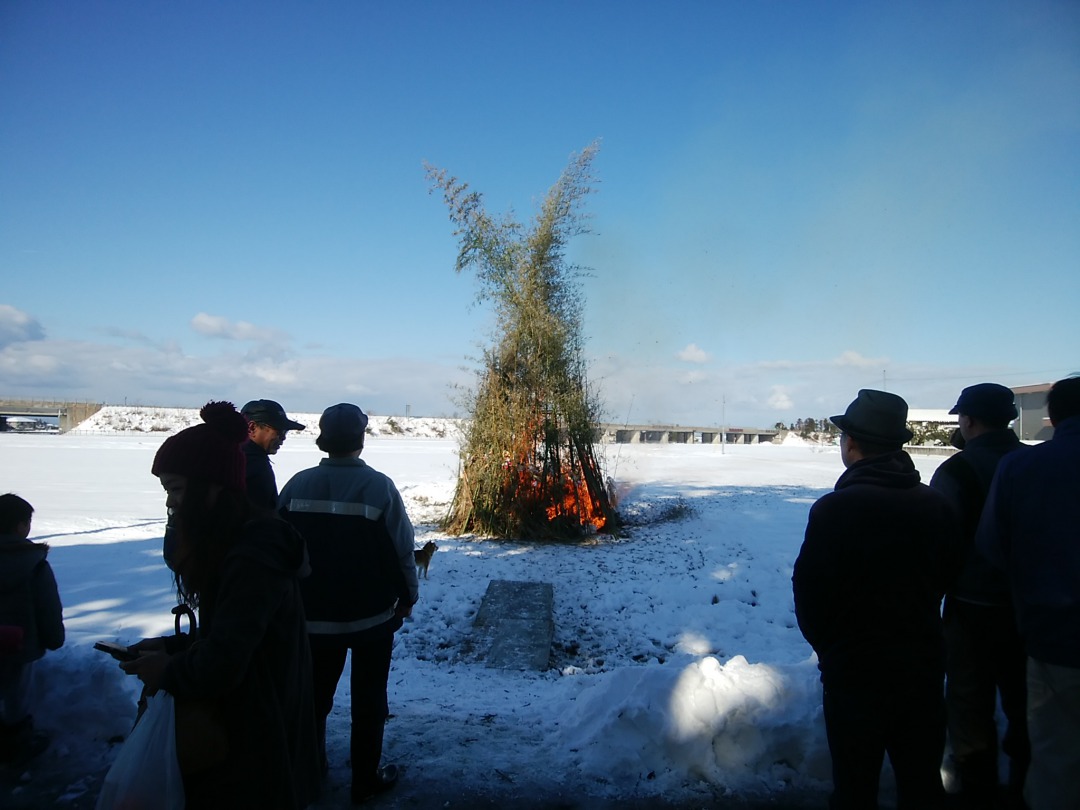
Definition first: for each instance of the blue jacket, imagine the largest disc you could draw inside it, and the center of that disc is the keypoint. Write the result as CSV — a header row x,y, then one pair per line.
x,y
360,543
1030,528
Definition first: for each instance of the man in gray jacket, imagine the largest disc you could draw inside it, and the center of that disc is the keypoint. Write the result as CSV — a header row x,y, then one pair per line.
x,y
362,584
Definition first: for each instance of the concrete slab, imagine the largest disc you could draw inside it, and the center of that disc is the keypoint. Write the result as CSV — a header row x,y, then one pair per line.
x,y
517,617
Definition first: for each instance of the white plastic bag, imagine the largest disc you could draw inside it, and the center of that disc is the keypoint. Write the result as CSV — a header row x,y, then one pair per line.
x,y
145,774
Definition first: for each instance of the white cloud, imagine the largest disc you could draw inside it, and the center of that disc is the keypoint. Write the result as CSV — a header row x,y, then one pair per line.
x,y
280,374
218,327
779,399
16,326
693,354
853,358
96,372
846,359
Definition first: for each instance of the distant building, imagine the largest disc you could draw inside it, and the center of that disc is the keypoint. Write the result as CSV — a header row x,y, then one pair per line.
x,y
933,416
1033,423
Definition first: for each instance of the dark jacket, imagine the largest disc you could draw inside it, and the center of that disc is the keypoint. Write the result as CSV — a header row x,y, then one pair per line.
x,y
965,479
252,661
29,597
878,554
1030,528
361,544
261,482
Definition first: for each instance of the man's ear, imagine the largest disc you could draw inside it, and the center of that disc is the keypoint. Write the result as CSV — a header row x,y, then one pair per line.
x,y
251,428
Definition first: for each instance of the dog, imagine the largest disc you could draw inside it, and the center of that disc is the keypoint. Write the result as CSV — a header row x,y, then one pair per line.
x,y
423,557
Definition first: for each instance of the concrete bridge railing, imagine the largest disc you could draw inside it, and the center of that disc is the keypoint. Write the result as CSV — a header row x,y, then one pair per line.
x,y
677,434
67,414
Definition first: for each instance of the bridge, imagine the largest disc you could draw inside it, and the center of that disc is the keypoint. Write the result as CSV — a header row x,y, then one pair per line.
x,y
679,434
67,414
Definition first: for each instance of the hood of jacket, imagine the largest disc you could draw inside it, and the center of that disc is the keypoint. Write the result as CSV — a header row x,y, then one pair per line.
x,y
18,559
894,470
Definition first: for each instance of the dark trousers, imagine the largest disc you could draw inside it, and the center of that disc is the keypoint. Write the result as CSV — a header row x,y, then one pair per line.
x,y
369,707
984,657
904,718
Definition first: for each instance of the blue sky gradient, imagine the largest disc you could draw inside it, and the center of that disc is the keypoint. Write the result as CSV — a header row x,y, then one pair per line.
x,y
796,200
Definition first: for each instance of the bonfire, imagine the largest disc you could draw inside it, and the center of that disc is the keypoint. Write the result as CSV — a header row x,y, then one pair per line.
x,y
528,464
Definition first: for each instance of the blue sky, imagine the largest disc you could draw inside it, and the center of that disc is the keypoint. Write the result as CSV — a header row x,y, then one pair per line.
x,y
795,200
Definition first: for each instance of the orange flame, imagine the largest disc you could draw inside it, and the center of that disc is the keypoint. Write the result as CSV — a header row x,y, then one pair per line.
x,y
577,503
569,496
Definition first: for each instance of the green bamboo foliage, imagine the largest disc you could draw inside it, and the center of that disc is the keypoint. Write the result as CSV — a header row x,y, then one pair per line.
x,y
528,465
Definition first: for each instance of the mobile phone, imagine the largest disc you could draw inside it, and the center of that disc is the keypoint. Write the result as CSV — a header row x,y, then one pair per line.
x,y
117,651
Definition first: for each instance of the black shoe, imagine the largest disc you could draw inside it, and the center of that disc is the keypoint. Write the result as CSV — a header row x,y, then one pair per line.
x,y
385,778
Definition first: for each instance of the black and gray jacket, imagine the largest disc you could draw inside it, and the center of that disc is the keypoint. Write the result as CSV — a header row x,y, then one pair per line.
x,y
360,542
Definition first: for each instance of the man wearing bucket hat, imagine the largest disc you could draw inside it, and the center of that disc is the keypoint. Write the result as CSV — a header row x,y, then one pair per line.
x,y
878,554
268,425
985,655
362,585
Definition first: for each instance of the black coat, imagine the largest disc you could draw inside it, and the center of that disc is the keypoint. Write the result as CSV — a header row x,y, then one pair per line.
x,y
877,557
261,483
252,661
965,480
29,598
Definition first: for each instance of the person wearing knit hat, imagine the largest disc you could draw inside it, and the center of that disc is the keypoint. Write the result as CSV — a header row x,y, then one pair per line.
x,y
878,553
210,451
250,670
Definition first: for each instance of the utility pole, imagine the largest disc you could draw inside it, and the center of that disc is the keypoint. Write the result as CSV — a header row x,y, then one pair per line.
x,y
884,382
723,422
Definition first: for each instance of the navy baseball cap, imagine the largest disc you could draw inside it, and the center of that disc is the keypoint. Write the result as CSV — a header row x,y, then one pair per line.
x,y
268,412
987,401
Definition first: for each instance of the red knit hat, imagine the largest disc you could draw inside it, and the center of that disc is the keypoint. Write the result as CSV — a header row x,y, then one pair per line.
x,y
210,451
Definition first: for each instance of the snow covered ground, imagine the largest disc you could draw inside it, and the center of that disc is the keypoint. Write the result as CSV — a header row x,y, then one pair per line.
x,y
677,670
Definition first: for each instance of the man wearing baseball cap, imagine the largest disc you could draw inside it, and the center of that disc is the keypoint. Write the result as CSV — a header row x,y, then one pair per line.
x,y
878,554
984,652
268,424
1029,530
361,588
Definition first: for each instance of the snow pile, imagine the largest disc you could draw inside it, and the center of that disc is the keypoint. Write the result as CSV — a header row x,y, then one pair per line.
x,y
737,725
136,419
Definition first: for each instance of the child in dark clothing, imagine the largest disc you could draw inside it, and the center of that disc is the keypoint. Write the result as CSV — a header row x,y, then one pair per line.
x,y
31,622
